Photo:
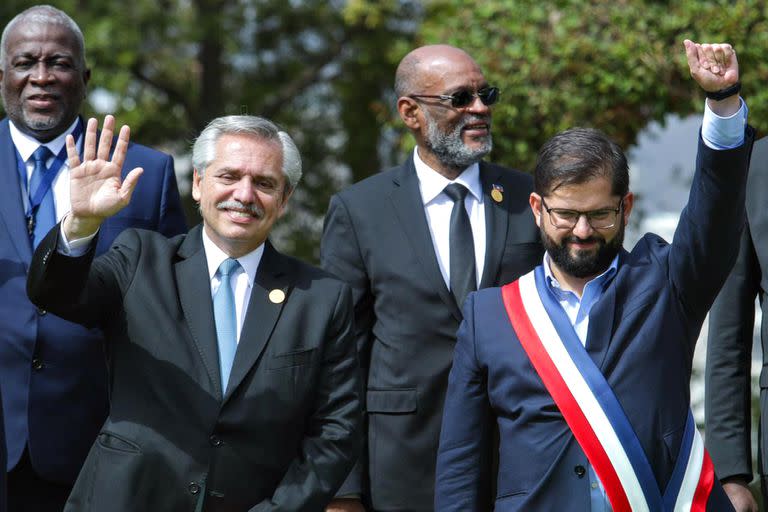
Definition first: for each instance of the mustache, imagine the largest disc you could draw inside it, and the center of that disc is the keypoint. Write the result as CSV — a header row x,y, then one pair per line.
x,y
577,240
237,205
474,118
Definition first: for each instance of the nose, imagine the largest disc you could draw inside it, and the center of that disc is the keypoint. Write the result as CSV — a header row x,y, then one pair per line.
x,y
244,191
41,73
582,229
478,107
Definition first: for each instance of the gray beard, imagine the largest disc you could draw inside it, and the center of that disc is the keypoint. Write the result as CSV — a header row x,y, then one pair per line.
x,y
449,149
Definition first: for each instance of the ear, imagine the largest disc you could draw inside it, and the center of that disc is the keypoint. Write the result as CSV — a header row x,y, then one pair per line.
x,y
535,201
409,112
87,76
196,186
629,201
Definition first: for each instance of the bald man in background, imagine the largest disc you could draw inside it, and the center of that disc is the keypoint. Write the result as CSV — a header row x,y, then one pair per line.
x,y
413,241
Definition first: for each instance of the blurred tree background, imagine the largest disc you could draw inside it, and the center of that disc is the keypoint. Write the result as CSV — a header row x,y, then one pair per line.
x,y
324,71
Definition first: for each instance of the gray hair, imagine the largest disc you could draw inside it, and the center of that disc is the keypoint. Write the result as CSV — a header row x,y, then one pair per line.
x,y
47,15
204,148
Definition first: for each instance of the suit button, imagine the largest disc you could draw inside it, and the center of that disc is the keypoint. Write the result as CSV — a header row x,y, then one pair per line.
x,y
37,364
580,471
193,488
215,441
41,311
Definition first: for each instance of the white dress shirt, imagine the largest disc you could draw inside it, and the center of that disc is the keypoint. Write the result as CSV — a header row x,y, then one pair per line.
x,y
27,145
241,280
438,206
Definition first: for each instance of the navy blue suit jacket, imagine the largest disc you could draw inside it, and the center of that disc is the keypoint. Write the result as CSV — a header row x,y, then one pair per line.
x,y
642,334
53,373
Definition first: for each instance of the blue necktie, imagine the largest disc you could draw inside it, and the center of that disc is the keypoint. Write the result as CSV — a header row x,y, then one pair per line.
x,y
226,319
45,216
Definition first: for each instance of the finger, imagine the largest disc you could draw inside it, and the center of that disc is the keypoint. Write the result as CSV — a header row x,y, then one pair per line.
x,y
105,142
89,145
710,52
692,54
129,184
121,148
73,159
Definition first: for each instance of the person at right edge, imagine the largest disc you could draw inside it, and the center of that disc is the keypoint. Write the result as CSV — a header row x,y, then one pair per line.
x,y
728,386
585,362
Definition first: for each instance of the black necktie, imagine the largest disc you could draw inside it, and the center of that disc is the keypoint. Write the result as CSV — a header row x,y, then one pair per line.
x,y
462,246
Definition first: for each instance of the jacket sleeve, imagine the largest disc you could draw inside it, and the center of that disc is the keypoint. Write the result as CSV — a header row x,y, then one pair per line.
x,y
705,244
81,289
464,440
728,367
340,254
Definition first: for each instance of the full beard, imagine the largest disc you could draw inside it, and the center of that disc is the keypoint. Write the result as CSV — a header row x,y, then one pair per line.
x,y
588,263
450,149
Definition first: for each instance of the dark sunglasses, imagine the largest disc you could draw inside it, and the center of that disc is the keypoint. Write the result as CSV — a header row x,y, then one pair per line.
x,y
464,97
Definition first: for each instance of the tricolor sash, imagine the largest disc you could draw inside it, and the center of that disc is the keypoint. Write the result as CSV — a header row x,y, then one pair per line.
x,y
595,415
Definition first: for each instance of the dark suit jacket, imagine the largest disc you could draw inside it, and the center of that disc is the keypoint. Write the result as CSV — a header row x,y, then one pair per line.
x,y
729,345
377,239
642,334
284,435
52,372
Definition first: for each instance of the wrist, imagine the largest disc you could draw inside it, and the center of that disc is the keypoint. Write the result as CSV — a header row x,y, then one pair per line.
x,y
80,227
725,107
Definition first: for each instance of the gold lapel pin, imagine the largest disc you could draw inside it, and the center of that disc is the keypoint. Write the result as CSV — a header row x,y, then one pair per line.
x,y
496,194
277,296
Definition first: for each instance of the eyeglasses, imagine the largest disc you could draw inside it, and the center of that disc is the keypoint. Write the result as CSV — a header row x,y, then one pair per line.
x,y
603,218
465,97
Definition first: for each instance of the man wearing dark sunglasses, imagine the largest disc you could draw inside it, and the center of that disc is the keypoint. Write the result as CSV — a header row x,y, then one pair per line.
x,y
413,241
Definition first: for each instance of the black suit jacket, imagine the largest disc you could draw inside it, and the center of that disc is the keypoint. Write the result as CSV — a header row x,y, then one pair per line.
x,y
285,434
729,345
376,238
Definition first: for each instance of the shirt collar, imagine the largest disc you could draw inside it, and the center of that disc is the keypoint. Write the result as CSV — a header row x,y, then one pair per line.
x,y
554,285
432,183
214,256
26,145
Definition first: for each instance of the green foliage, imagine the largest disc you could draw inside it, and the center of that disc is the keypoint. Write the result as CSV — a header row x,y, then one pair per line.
x,y
613,65
324,71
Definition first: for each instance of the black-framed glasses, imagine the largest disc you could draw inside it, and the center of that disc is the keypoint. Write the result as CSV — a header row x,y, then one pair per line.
x,y
564,218
465,97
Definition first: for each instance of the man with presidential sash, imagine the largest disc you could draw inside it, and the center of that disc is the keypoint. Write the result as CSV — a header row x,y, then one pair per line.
x,y
585,362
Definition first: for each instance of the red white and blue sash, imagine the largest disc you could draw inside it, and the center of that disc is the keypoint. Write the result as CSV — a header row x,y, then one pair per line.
x,y
594,414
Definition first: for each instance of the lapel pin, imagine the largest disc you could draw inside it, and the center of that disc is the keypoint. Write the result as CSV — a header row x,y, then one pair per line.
x,y
276,296
497,194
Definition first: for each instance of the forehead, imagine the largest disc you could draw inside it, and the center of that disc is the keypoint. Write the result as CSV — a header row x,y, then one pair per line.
x,y
592,194
248,153
448,72
36,37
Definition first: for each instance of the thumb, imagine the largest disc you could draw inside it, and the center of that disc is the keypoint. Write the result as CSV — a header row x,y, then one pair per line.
x,y
129,184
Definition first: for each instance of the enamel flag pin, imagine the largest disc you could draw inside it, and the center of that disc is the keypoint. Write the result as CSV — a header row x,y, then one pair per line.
x,y
497,193
276,296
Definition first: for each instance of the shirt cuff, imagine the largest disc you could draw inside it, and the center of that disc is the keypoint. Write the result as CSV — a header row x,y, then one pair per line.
x,y
75,248
724,132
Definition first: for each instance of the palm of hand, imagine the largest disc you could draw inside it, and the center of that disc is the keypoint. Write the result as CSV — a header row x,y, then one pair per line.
x,y
96,189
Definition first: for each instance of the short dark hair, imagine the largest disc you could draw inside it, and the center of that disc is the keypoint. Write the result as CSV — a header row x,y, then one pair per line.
x,y
578,155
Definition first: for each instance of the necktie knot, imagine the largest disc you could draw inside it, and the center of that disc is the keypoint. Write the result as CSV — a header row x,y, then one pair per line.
x,y
227,267
456,191
41,155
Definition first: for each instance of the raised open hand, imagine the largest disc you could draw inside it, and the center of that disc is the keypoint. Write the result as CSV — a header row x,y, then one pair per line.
x,y
713,66
97,190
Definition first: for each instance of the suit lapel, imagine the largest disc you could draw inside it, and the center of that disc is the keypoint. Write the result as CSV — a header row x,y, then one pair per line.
x,y
11,206
496,223
191,274
409,209
262,314
601,320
